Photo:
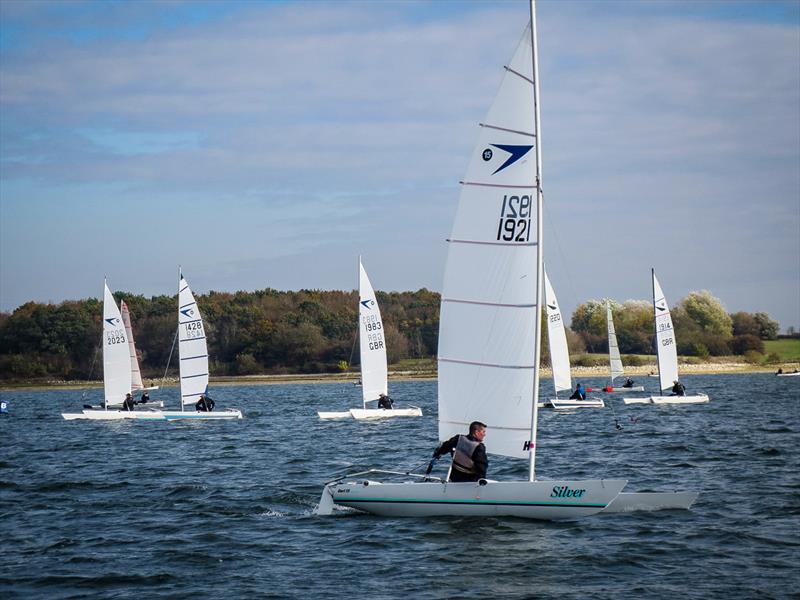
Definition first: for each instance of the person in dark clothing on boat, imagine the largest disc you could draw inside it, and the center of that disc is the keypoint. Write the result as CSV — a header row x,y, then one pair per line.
x,y
469,454
145,398
579,393
678,389
128,403
628,383
385,402
205,404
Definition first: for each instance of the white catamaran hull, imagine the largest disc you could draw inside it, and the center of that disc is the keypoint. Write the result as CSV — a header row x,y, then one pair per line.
x,y
696,399
114,415
622,390
546,500
787,374
557,404
362,414
215,415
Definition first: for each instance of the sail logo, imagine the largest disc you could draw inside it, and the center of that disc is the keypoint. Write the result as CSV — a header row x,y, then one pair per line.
x,y
552,306
515,153
528,445
113,321
661,307
368,304
188,312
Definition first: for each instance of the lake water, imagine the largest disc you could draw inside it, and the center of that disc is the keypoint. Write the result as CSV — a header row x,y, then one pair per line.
x,y
159,509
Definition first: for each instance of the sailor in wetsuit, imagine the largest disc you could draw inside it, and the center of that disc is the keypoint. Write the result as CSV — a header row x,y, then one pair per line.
x,y
678,389
469,458
385,402
127,404
205,404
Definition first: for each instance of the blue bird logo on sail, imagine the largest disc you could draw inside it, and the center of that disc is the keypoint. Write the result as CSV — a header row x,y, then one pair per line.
x,y
113,321
188,312
515,153
368,303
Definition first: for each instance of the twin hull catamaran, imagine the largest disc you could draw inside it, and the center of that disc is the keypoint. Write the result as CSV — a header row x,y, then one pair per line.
x,y
559,356
372,352
614,358
488,352
666,350
117,369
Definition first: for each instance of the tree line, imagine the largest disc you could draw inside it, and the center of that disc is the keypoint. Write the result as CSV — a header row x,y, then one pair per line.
x,y
311,331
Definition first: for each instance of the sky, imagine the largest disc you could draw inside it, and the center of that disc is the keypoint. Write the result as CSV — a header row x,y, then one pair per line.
x,y
269,144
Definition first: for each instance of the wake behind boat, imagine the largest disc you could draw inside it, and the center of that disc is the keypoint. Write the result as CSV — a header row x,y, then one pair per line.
x,y
374,370
488,352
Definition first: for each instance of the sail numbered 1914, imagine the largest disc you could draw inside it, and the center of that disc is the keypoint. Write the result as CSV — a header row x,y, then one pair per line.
x,y
665,339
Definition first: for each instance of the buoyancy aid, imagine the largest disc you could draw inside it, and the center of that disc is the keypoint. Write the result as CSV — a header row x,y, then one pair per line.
x,y
462,458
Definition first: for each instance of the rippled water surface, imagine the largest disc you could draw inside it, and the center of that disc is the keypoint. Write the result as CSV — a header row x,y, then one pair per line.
x,y
140,509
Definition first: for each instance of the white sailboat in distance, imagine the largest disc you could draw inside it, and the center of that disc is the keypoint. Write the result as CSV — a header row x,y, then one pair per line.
x,y
614,359
137,385
193,358
667,352
372,353
488,351
559,356
116,369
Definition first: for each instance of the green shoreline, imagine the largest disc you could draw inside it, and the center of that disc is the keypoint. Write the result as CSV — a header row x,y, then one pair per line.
x,y
707,368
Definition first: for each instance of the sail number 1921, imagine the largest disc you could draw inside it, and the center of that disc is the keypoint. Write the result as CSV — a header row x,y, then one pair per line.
x,y
515,219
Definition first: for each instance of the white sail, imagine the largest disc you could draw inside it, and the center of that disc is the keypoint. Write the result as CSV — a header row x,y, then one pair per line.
x,y
116,357
372,343
665,338
557,339
487,347
136,374
614,358
192,347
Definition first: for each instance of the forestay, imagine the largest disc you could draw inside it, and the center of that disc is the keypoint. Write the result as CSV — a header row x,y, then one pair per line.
x,y
372,345
136,374
557,340
665,338
192,347
116,357
614,358
487,346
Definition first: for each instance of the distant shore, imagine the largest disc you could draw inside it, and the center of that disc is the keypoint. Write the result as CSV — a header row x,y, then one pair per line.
x,y
707,368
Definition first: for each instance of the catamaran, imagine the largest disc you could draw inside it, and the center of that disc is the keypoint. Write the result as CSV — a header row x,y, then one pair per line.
x,y
372,351
137,385
666,350
116,370
614,358
488,352
559,356
193,359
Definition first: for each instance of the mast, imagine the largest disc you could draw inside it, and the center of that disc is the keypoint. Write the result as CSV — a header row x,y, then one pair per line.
x,y
358,333
655,326
180,379
539,254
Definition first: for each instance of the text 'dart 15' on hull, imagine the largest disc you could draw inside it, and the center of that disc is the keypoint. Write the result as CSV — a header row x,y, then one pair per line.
x,y
193,358
488,351
117,372
666,350
372,354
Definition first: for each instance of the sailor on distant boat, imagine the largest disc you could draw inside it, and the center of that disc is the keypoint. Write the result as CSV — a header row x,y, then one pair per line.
x,y
205,404
628,383
128,403
678,389
579,393
469,454
145,398
385,402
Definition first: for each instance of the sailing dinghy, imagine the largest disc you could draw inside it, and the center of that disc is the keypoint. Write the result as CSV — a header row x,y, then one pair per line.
x,y
372,351
666,350
559,356
137,385
488,352
116,370
193,359
614,358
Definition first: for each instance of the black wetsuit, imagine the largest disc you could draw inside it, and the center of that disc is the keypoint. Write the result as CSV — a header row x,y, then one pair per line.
x,y
385,402
678,389
128,403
